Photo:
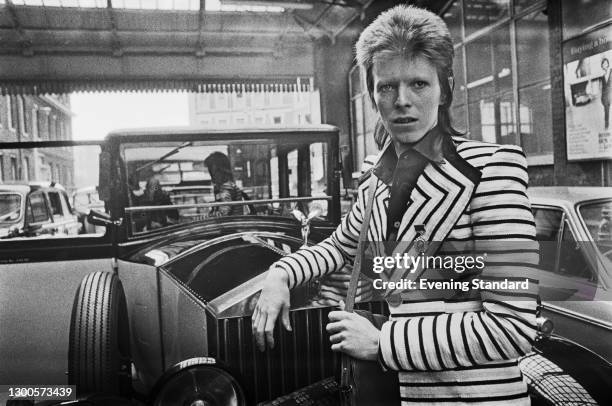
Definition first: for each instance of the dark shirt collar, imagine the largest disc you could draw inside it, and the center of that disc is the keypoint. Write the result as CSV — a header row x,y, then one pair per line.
x,y
430,147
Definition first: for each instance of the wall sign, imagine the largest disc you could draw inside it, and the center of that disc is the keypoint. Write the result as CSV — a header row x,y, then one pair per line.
x,y
588,94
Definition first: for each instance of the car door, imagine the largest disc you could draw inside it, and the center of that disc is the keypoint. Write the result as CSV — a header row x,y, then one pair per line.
x,y
569,283
39,275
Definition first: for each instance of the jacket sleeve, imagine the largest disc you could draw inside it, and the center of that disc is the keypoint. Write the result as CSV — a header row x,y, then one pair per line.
x,y
330,254
505,328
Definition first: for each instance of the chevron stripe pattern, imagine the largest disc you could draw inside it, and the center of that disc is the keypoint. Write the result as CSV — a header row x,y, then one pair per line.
x,y
449,347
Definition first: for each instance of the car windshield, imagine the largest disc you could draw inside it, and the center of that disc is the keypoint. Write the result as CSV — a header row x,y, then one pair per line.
x,y
598,219
10,207
180,182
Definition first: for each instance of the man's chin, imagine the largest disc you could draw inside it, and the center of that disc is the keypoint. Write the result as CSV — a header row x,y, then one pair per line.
x,y
408,137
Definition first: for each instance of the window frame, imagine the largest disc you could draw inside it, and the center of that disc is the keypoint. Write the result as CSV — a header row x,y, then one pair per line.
x,y
460,48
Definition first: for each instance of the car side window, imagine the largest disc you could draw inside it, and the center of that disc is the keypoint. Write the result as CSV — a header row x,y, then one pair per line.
x,y
36,208
548,225
572,261
56,204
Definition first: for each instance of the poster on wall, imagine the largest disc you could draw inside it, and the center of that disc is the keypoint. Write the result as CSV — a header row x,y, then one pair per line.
x,y
588,94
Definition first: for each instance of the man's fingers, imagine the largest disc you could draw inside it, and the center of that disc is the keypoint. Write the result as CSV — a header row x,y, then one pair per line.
x,y
255,317
336,338
337,315
285,318
339,347
333,328
269,329
258,331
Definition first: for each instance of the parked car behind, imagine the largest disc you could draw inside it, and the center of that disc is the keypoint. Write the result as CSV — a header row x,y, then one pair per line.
x,y
36,209
575,277
83,200
576,266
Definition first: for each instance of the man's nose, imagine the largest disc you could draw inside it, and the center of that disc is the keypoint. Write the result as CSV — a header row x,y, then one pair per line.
x,y
404,96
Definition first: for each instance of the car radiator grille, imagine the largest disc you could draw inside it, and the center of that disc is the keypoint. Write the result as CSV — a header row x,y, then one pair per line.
x,y
299,358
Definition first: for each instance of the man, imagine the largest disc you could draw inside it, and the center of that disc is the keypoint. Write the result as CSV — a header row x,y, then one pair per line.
x,y
606,90
449,347
225,188
154,195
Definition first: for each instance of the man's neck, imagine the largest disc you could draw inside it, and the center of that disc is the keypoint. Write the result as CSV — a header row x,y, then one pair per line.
x,y
401,147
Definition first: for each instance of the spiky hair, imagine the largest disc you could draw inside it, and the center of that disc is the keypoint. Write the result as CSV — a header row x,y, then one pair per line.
x,y
410,31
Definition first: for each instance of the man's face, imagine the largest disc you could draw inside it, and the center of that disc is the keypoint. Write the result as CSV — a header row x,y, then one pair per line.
x,y
407,96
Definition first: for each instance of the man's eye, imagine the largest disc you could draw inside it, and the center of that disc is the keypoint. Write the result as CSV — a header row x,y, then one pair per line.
x,y
419,84
385,88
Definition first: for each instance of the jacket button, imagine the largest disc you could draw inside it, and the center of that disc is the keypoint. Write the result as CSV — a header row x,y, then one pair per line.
x,y
396,224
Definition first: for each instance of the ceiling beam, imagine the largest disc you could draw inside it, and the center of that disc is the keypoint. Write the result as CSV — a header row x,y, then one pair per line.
x,y
115,42
24,41
310,27
360,14
199,52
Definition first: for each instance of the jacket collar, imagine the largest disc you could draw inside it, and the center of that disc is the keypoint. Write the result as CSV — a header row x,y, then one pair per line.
x,y
431,146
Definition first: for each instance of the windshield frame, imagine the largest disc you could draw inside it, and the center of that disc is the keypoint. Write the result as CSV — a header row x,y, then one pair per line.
x,y
115,145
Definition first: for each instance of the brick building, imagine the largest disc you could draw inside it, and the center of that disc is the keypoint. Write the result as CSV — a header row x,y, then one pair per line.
x,y
263,106
36,118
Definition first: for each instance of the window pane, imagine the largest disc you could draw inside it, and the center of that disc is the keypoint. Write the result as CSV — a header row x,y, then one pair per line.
x,y
370,117
532,48
520,5
507,120
493,120
535,115
459,116
548,224
572,262
489,66
579,15
38,208
318,173
452,18
356,86
358,129
482,13
10,208
56,205
460,90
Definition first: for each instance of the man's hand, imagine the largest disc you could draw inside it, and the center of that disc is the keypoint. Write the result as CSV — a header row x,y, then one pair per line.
x,y
274,299
353,334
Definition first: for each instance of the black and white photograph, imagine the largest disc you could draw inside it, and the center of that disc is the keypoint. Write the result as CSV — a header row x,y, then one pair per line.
x,y
305,202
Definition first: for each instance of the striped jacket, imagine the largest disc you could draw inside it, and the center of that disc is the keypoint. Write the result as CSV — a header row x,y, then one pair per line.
x,y
452,347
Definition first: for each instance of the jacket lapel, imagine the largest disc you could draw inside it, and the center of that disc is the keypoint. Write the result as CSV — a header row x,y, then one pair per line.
x,y
440,196
378,222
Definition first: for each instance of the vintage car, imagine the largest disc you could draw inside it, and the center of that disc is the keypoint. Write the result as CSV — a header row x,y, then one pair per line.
x,y
154,300
158,312
36,209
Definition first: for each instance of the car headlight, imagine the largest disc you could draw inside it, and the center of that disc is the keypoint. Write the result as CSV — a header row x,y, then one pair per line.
x,y
198,382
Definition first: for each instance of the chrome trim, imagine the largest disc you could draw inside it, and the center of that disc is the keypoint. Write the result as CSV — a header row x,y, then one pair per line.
x,y
575,315
229,237
137,209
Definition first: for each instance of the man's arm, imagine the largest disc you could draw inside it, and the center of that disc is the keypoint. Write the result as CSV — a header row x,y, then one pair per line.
x,y
506,327
330,254
299,267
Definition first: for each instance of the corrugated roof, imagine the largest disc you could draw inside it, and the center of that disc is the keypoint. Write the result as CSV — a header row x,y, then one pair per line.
x,y
92,45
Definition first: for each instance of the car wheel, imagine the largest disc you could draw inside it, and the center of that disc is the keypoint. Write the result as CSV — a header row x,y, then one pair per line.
x,y
99,349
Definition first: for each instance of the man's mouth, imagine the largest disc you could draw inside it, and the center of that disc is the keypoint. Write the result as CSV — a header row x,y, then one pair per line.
x,y
404,120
